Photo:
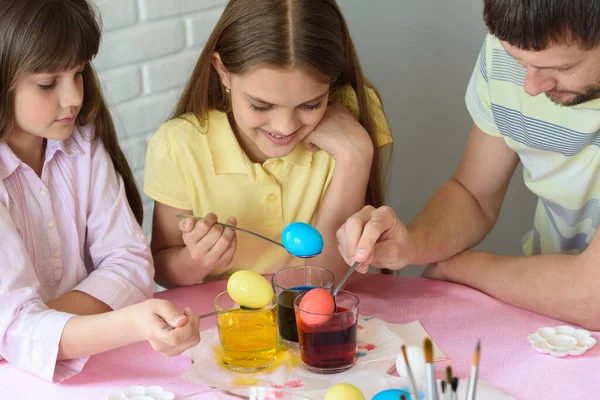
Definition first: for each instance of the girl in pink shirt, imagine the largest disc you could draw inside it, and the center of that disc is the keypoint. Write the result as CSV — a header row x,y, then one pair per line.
x,y
71,248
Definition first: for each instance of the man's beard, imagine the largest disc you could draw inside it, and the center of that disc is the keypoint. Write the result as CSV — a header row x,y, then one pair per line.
x,y
590,93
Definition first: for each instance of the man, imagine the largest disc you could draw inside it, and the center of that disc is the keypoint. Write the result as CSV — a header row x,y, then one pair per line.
x,y
534,97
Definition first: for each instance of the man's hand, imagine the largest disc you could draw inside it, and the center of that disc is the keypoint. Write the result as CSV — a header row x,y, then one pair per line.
x,y
376,237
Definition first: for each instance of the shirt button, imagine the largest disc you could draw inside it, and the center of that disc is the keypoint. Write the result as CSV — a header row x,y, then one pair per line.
x,y
272,198
51,223
43,192
57,253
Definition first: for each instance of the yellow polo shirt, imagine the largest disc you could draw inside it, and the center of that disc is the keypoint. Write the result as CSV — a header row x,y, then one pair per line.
x,y
204,169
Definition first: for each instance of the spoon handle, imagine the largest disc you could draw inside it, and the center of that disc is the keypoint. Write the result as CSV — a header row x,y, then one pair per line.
x,y
345,278
169,328
182,216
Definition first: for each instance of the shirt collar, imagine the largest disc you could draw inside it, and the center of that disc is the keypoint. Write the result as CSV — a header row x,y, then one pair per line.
x,y
300,156
227,154
9,161
69,147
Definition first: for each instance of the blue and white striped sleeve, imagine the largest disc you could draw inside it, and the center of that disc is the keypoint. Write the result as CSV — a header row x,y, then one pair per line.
x,y
477,97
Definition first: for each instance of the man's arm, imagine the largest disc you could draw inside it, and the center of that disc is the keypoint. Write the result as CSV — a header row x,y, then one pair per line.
x,y
463,210
561,286
457,217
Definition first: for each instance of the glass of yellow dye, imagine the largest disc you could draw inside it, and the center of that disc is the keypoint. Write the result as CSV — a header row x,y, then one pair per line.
x,y
248,337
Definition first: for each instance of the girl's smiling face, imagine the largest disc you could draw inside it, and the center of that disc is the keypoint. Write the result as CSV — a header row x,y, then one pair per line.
x,y
274,108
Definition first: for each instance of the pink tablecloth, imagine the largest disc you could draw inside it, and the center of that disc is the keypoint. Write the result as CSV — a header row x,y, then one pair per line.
x,y
454,315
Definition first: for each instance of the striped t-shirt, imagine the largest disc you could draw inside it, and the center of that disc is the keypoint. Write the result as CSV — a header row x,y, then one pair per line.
x,y
558,146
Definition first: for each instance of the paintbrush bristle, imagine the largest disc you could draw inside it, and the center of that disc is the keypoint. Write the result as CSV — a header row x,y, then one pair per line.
x,y
428,349
443,386
448,374
402,397
477,353
454,384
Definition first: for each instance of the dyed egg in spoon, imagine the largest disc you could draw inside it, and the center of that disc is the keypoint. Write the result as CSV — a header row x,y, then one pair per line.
x,y
302,240
249,289
299,239
317,306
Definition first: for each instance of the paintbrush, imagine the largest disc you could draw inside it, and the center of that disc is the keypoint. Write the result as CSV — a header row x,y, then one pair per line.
x,y
454,388
414,393
444,390
432,393
403,397
448,382
473,378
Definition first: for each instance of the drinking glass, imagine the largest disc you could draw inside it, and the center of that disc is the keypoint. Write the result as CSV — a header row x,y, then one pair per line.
x,y
288,284
328,341
248,337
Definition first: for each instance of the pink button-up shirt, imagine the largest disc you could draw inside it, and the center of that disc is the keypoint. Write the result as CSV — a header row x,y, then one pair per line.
x,y
71,229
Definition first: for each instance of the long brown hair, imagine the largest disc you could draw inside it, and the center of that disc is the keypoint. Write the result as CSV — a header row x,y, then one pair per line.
x,y
52,36
311,34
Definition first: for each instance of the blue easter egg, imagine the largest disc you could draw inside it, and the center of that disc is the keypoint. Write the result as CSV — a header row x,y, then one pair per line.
x,y
392,394
302,240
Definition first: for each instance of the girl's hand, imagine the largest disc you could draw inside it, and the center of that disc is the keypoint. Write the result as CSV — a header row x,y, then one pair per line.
x,y
211,245
342,136
151,318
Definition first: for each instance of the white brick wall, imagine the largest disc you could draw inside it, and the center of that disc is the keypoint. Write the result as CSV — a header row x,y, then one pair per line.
x,y
148,50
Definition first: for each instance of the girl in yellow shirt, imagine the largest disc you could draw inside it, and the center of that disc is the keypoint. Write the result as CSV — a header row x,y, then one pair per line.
x,y
277,124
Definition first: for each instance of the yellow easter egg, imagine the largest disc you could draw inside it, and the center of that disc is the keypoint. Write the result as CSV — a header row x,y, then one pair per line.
x,y
249,289
344,391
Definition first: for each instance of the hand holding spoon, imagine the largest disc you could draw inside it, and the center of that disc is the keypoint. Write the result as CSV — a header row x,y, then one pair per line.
x,y
298,238
248,289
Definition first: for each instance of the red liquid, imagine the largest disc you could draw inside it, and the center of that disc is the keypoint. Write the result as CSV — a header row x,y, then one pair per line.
x,y
331,345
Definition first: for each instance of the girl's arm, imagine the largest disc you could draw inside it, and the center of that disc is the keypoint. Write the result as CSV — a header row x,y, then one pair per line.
x,y
122,264
79,303
186,251
174,263
344,197
34,337
30,332
340,134
87,335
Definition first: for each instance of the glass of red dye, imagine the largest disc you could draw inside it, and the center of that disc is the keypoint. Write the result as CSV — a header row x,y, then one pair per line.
x,y
328,341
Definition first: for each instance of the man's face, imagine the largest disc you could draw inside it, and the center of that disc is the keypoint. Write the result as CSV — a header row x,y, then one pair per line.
x,y
565,73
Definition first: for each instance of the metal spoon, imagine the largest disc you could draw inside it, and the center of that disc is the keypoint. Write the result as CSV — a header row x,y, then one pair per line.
x,y
183,216
169,328
344,279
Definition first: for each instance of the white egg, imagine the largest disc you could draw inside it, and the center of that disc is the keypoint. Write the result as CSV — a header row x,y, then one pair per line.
x,y
416,359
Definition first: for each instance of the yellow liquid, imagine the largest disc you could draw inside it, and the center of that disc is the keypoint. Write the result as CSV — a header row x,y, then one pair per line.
x,y
248,339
